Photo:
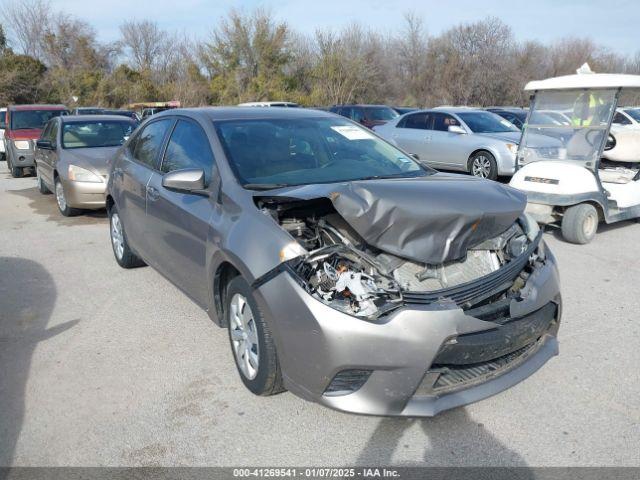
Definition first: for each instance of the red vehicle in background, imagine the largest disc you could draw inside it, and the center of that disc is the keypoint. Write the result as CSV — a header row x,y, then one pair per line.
x,y
23,128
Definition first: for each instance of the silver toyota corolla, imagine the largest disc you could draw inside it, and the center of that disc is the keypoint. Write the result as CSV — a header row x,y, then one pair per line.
x,y
343,270
475,141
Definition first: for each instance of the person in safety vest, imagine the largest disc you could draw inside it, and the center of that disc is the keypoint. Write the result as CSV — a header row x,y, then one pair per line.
x,y
585,109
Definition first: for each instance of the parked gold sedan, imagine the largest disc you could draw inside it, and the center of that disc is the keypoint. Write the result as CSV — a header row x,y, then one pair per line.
x,y
72,157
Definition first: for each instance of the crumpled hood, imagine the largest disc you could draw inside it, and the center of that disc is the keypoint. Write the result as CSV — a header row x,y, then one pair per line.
x,y
95,159
432,219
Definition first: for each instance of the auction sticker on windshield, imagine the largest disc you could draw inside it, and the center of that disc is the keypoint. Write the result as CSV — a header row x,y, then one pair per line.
x,y
352,133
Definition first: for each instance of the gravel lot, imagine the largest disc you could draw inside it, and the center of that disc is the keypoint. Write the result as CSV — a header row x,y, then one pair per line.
x,y
103,366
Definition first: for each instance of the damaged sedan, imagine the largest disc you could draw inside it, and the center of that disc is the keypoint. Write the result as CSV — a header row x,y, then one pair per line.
x,y
344,271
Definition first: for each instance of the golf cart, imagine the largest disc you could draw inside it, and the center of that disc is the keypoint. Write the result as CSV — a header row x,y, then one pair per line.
x,y
565,178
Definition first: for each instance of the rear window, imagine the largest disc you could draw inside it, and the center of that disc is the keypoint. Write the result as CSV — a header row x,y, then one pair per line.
x,y
24,119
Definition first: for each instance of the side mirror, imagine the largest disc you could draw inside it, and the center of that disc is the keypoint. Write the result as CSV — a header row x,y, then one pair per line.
x,y
186,181
44,144
456,129
415,156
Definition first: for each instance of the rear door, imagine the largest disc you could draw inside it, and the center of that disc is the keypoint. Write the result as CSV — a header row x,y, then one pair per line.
x,y
413,134
131,175
178,223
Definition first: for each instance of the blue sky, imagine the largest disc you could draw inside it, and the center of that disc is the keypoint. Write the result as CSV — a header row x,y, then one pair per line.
x,y
613,23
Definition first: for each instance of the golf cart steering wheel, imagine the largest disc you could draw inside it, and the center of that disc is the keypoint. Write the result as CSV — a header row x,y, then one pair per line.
x,y
589,137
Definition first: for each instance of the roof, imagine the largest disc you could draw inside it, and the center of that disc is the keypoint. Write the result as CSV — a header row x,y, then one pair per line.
x,y
585,80
94,118
37,107
246,113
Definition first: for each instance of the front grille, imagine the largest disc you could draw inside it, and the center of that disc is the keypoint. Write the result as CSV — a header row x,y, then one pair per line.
x,y
442,379
347,381
473,292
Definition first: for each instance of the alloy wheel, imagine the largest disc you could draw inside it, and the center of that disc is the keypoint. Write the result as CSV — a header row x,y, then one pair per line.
x,y
117,236
60,198
481,166
244,336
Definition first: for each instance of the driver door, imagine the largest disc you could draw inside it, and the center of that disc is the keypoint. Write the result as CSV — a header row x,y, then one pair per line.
x,y
178,223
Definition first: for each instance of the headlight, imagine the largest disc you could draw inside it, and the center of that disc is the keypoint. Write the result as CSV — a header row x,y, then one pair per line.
x,y
79,174
513,148
22,144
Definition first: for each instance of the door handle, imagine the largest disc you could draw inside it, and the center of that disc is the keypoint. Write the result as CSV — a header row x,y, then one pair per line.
x,y
153,193
118,172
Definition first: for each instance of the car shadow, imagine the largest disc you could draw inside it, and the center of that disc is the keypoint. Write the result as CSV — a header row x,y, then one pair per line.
x,y
27,298
452,439
46,205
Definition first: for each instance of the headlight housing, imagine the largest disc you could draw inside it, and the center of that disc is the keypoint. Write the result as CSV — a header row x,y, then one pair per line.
x,y
513,148
22,144
79,174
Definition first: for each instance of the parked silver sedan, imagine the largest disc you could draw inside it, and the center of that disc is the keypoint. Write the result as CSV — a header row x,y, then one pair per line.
x,y
71,158
475,141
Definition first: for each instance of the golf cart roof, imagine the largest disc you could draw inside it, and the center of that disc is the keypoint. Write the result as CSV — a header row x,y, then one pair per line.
x,y
585,80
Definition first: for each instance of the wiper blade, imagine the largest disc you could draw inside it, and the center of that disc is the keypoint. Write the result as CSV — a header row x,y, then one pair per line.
x,y
264,186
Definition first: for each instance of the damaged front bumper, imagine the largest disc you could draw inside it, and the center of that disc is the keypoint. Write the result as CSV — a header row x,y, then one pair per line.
x,y
420,359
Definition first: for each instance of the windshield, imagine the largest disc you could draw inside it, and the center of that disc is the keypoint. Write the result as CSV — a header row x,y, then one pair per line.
x,y
95,134
486,122
633,113
23,119
272,153
580,138
381,113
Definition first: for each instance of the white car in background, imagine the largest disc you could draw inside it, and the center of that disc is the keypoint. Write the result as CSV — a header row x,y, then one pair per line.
x,y
3,123
623,144
456,138
269,104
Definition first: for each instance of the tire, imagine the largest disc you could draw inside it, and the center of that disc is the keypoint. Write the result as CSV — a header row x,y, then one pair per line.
x,y
251,338
482,164
121,249
61,200
580,223
42,188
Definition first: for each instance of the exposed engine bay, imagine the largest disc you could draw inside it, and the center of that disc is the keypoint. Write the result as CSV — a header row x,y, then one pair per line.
x,y
343,271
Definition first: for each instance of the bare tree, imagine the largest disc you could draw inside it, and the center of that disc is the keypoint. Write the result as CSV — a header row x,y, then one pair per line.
x,y
28,22
143,42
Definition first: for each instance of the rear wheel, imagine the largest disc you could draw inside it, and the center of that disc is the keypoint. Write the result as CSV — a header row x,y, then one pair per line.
x,y
61,200
580,223
121,250
482,164
251,341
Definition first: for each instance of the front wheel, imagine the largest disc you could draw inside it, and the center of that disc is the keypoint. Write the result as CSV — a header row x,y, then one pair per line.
x,y
580,223
61,200
483,165
251,341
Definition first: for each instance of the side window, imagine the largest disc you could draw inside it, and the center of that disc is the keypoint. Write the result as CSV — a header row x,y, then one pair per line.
x,y
442,122
45,131
358,115
53,133
416,121
188,148
149,142
620,119
3,120
346,112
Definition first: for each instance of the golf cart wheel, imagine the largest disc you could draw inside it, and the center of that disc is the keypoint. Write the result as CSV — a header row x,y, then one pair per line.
x,y
482,164
42,188
121,250
580,223
252,344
